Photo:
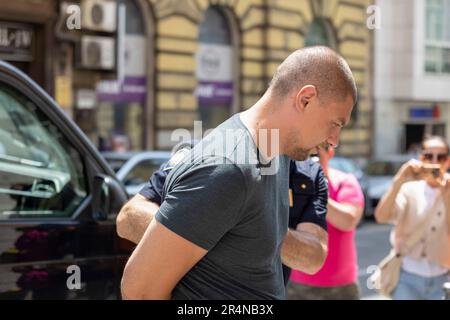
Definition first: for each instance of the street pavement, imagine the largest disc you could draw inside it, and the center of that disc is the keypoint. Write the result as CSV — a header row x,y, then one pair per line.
x,y
372,241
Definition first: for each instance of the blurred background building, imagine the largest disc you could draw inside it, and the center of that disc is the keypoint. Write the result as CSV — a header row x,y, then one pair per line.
x,y
142,68
412,74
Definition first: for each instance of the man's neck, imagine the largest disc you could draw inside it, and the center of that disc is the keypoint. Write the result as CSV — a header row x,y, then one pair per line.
x,y
262,126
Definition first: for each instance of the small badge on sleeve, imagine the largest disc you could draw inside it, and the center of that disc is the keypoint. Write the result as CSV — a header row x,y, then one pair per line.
x,y
177,158
291,198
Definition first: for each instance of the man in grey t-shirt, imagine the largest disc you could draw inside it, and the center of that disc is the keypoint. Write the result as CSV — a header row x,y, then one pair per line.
x,y
234,211
221,232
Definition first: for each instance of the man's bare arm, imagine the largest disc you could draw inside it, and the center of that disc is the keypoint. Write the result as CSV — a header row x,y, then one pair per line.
x,y
158,263
134,218
306,248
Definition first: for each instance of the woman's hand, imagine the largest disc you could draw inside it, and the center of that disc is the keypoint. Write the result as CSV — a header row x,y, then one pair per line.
x,y
410,171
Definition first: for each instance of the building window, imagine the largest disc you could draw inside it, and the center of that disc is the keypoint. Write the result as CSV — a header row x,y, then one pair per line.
x,y
215,68
320,33
122,102
437,42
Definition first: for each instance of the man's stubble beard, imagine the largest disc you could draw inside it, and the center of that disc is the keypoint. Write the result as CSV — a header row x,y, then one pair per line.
x,y
299,154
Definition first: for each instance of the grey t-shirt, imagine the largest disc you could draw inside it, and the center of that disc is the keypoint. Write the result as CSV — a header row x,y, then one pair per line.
x,y
221,198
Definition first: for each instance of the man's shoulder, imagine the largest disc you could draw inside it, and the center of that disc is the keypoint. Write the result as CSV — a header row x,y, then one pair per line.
x,y
225,145
308,169
209,166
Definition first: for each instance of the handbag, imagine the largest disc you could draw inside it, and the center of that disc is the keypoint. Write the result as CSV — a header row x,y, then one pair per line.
x,y
387,275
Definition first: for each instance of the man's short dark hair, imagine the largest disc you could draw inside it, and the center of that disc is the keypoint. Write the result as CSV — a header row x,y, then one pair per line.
x,y
318,66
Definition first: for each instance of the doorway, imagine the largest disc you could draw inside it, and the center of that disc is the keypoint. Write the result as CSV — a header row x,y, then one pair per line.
x,y
414,137
415,133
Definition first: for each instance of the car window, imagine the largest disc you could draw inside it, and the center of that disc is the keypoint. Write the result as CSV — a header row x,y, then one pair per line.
x,y
142,171
116,164
344,165
41,174
383,168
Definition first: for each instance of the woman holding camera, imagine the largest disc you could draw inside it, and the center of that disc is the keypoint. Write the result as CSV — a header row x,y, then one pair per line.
x,y
419,199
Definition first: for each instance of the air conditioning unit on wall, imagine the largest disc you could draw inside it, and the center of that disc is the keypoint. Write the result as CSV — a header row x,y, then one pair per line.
x,y
98,53
99,15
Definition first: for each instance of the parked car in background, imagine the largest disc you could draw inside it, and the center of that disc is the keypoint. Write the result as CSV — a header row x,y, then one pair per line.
x,y
134,169
380,172
58,202
349,165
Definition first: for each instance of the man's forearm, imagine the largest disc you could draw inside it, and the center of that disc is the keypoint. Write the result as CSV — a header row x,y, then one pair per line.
x,y
134,218
305,251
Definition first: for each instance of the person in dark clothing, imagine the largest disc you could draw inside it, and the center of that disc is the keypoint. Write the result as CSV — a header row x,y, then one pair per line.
x,y
308,189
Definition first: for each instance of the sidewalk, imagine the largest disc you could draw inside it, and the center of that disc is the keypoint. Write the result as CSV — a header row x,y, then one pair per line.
x,y
375,297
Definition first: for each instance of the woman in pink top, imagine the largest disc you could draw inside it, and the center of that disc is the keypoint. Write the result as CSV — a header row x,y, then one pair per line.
x,y
338,277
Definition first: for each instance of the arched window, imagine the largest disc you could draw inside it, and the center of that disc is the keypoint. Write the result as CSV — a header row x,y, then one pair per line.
x,y
215,68
122,102
320,33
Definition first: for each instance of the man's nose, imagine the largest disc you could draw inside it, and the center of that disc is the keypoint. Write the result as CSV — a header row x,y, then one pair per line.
x,y
333,140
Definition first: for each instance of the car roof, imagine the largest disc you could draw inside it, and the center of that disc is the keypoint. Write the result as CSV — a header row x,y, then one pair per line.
x,y
394,158
341,158
125,156
131,159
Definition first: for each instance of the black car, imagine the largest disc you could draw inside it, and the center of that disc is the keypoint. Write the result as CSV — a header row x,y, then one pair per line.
x,y
58,201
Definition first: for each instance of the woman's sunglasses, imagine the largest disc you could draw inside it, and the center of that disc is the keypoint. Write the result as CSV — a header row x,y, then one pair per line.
x,y
440,157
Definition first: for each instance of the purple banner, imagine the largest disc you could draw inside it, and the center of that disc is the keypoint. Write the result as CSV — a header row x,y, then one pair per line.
x,y
133,89
215,92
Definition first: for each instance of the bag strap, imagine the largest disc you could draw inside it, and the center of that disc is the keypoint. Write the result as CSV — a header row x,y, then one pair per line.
x,y
415,237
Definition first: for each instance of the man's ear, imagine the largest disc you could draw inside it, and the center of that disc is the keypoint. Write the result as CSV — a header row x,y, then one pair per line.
x,y
304,96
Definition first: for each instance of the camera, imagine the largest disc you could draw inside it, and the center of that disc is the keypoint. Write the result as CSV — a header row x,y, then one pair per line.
x,y
430,171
